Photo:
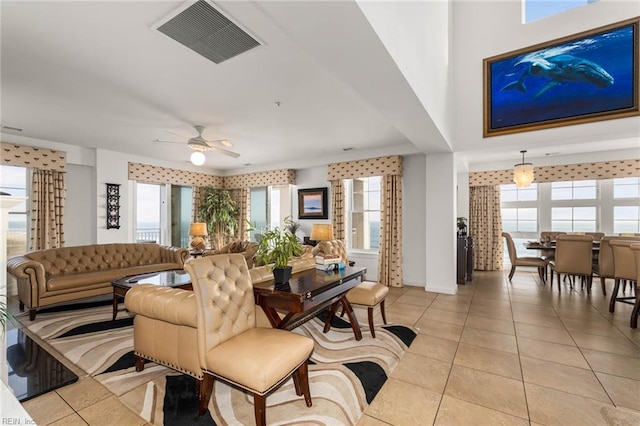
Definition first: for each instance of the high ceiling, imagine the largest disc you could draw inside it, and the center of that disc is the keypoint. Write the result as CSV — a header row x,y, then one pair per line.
x,y
99,75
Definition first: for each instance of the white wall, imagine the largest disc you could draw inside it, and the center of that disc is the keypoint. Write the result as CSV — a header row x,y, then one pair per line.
x,y
80,226
312,177
413,220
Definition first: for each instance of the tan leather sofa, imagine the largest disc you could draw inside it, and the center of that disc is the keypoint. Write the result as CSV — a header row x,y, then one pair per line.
x,y
247,248
65,274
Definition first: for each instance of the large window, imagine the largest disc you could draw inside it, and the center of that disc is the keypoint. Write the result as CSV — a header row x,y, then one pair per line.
x,y
363,212
149,202
573,219
574,190
626,188
14,181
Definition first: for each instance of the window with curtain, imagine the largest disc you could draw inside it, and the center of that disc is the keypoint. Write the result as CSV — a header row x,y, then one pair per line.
x,y
15,181
363,212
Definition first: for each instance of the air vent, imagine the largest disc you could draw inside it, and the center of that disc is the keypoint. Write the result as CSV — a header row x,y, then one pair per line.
x,y
208,32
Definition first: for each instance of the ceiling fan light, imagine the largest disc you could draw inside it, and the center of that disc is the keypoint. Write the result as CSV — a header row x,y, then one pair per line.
x,y
198,158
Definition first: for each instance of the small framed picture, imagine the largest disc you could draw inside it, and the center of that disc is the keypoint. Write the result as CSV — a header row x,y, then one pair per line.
x,y
312,203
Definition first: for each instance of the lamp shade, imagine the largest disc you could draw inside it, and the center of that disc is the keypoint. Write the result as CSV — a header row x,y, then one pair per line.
x,y
321,232
198,229
523,175
198,158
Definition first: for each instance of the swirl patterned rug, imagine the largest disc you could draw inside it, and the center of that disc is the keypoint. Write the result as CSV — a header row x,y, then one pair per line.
x,y
344,375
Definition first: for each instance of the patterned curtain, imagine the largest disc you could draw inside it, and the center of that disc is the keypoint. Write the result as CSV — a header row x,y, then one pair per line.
x,y
390,254
486,227
241,197
195,203
337,210
48,194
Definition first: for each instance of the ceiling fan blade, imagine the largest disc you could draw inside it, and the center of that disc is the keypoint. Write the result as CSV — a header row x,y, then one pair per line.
x,y
223,151
223,142
161,141
176,135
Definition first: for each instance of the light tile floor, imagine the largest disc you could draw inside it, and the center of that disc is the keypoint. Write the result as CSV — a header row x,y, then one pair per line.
x,y
496,353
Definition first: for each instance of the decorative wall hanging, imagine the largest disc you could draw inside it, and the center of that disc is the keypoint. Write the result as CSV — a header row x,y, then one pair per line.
x,y
581,78
313,204
113,206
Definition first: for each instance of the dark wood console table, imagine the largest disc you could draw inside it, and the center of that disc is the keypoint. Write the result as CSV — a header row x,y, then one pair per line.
x,y
307,294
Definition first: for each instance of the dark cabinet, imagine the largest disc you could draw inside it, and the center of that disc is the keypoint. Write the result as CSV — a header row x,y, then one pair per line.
x,y
464,261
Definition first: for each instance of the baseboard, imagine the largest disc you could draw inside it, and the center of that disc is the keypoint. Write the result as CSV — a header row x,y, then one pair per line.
x,y
414,283
441,289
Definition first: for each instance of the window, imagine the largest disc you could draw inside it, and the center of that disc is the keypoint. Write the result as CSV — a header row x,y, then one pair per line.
x,y
520,220
573,219
626,188
181,205
626,219
513,193
363,212
148,213
574,190
538,9
14,181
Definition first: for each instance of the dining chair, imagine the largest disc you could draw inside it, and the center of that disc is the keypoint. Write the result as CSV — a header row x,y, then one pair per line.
x,y
536,262
548,236
624,268
635,248
573,257
231,347
603,264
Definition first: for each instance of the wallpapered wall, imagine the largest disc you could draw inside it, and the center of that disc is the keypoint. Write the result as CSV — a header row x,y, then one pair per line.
x,y
565,172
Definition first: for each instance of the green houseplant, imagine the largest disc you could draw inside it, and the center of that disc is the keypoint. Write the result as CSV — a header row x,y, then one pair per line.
x,y
220,213
276,249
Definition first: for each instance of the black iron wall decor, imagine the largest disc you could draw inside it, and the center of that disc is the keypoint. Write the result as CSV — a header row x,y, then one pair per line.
x,y
113,206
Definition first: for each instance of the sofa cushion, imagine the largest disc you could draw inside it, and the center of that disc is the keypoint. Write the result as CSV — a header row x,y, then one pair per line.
x,y
73,282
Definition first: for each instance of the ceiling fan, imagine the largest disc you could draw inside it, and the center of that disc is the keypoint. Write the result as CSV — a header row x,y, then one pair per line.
x,y
200,144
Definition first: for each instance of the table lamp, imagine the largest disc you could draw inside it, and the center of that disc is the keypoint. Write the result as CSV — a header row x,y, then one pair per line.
x,y
321,232
198,230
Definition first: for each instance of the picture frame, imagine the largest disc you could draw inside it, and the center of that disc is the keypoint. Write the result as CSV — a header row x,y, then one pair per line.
x,y
585,77
313,203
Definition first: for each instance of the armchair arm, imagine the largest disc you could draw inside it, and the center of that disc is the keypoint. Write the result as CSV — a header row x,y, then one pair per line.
x,y
172,305
177,255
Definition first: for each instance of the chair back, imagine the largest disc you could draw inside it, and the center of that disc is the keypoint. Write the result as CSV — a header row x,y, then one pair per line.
x,y
335,247
635,249
573,254
551,234
624,263
605,255
511,247
225,305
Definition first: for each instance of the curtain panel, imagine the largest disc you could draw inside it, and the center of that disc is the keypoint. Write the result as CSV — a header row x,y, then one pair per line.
x,y
337,210
486,227
48,195
390,255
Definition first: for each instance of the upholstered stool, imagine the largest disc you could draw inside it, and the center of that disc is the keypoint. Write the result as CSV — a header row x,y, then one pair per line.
x,y
369,294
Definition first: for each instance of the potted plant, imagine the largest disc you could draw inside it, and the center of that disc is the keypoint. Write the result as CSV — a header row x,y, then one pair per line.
x,y
220,213
293,227
276,249
462,226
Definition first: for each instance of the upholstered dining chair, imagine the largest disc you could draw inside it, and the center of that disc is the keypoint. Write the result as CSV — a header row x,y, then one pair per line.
x,y
536,262
368,293
573,257
603,266
635,248
624,268
230,346
551,236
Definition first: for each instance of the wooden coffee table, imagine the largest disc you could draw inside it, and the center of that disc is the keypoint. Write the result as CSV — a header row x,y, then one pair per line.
x,y
176,278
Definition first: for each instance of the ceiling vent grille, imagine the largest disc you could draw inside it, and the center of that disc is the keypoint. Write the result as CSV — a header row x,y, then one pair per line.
x,y
208,32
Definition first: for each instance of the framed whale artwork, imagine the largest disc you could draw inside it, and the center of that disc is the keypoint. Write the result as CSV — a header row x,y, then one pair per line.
x,y
577,79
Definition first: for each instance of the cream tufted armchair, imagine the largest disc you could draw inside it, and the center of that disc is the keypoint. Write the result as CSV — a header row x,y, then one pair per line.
x,y
230,346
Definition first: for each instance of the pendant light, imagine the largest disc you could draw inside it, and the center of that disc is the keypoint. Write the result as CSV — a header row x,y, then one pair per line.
x,y
523,173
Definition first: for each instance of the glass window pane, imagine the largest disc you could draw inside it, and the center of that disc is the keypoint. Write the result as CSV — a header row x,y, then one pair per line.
x,y
561,226
584,213
587,193
626,213
527,226
528,195
561,213
509,214
528,214
583,183
561,193
584,226
508,195
623,227
509,225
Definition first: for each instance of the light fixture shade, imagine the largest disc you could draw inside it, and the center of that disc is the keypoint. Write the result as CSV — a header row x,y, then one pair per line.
x,y
321,232
198,158
198,229
523,175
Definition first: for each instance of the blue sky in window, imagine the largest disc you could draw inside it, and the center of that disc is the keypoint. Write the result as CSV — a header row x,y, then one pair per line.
x,y
537,9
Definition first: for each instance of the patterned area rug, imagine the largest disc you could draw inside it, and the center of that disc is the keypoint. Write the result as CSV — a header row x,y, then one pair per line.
x,y
344,375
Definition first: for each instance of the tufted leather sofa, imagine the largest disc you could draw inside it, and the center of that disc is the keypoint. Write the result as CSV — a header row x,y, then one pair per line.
x,y
64,274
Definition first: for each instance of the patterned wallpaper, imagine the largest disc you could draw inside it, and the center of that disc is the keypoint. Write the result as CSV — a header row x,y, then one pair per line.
x,y
155,174
566,172
33,157
381,166
269,178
